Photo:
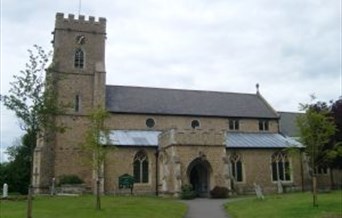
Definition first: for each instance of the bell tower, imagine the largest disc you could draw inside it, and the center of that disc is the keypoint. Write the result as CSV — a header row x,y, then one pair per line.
x,y
79,59
79,66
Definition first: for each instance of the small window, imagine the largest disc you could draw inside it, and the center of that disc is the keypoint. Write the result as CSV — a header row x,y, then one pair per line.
x,y
234,124
150,123
280,167
79,59
263,125
195,124
77,103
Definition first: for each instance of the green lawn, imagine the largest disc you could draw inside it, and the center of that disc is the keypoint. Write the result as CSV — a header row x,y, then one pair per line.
x,y
288,205
84,206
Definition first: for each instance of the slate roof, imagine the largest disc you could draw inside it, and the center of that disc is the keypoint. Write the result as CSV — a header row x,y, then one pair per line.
x,y
142,100
259,140
288,125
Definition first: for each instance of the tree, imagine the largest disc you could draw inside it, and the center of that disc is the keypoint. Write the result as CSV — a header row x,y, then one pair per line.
x,y
96,136
336,111
16,172
33,101
315,131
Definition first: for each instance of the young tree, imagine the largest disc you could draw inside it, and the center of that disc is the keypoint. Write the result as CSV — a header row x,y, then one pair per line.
x,y
96,136
33,100
315,131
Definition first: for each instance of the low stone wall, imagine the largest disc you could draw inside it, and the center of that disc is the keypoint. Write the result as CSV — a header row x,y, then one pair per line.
x,y
72,189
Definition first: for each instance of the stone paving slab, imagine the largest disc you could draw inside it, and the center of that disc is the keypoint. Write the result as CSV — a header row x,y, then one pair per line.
x,y
206,208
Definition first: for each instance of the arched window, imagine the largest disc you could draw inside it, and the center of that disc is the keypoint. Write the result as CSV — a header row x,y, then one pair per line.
x,y
79,58
236,167
140,166
280,167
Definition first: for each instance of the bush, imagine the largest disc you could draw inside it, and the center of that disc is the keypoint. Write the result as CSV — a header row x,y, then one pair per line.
x,y
219,192
187,192
70,179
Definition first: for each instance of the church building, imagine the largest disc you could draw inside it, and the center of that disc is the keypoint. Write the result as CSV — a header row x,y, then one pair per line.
x,y
164,138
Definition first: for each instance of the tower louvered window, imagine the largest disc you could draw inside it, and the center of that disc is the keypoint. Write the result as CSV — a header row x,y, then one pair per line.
x,y
79,59
140,170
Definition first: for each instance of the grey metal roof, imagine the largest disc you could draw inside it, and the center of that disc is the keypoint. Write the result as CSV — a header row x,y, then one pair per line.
x,y
288,123
233,140
142,100
133,138
259,140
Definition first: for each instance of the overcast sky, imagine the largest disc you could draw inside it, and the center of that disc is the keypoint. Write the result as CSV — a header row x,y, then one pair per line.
x,y
291,48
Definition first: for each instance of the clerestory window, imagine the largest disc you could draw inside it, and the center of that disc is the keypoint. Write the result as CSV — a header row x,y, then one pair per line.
x,y
234,125
263,125
195,124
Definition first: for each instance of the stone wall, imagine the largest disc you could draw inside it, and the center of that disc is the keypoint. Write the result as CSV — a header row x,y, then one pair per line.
x,y
180,148
165,122
120,161
257,169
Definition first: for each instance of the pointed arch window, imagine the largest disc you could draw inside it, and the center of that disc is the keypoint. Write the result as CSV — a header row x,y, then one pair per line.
x,y
140,166
79,58
280,167
236,167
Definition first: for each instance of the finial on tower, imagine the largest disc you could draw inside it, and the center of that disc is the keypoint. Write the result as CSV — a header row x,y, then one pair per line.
x,y
257,88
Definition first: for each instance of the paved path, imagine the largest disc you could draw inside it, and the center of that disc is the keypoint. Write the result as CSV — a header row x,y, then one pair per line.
x,y
206,208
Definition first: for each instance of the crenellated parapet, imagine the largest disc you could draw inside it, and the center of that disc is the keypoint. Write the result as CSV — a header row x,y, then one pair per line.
x,y
81,23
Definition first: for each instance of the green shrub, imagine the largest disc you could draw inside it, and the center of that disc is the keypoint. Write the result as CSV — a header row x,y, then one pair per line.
x,y
70,179
187,192
219,192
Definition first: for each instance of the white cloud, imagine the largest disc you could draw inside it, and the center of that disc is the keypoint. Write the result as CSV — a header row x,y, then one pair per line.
x,y
292,48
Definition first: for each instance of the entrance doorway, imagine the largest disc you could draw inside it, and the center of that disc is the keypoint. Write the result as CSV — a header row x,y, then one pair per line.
x,y
199,176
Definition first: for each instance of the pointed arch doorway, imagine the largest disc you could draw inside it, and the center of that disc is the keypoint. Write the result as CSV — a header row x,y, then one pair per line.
x,y
198,172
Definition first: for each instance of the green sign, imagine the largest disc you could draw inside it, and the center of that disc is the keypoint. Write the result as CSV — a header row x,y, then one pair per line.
x,y
126,181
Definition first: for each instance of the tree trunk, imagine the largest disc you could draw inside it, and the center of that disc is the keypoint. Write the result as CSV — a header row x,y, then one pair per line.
x,y
29,202
98,199
332,182
30,188
314,191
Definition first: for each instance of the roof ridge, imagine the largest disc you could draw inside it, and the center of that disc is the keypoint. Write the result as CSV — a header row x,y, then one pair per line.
x,y
179,89
267,104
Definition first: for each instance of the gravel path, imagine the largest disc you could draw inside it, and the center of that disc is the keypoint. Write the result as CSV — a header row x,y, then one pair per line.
x,y
206,208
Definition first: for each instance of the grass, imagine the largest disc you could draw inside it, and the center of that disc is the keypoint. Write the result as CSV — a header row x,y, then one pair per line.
x,y
84,206
288,205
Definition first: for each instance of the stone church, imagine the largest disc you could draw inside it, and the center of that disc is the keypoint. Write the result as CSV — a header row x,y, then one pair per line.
x,y
165,138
